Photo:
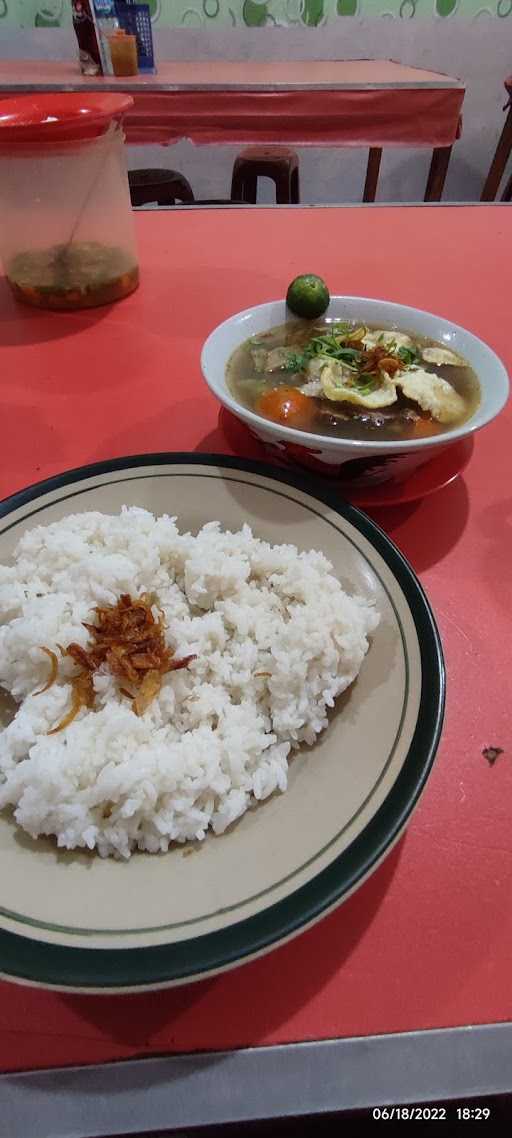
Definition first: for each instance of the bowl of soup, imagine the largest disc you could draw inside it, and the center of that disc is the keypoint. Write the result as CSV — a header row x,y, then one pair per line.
x,y
368,392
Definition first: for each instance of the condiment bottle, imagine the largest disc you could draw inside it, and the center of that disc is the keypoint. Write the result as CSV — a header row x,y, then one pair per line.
x,y
66,229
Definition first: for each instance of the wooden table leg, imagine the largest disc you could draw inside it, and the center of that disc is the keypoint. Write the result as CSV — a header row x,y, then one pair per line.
x,y
372,174
497,167
507,192
437,173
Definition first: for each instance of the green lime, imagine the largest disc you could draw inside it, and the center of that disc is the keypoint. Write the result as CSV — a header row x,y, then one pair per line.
x,y
308,296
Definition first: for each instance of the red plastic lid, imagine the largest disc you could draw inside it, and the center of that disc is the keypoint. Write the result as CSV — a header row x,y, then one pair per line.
x,y
60,117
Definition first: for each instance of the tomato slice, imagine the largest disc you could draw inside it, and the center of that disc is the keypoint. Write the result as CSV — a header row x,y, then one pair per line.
x,y
287,405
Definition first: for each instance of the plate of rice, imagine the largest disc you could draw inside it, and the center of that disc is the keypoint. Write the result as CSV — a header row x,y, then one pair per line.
x,y
221,695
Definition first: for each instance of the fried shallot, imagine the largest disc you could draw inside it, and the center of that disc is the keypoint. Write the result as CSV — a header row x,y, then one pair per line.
x,y
53,671
130,642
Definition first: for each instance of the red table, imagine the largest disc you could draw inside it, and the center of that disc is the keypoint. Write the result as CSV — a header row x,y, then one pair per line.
x,y
426,942
372,103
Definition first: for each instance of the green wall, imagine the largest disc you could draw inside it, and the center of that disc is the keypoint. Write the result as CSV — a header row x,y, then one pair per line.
x,y
258,13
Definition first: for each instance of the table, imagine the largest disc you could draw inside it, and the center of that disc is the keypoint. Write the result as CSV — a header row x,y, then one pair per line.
x,y
425,944
372,103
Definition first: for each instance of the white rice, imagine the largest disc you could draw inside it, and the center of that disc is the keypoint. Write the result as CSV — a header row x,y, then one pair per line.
x,y
217,737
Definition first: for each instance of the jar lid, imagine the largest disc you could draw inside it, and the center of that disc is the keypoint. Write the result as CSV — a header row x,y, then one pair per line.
x,y
62,117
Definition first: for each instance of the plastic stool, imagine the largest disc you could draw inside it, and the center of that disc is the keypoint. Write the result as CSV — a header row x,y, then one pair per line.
x,y
164,187
275,162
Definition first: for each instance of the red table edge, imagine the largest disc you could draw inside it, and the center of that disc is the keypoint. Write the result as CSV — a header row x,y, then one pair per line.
x,y
68,76
148,1095
345,114
328,205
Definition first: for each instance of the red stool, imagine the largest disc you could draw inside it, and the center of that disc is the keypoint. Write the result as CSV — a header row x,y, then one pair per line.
x,y
275,162
501,156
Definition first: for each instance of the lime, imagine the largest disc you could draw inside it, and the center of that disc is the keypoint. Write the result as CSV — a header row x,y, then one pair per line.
x,y
308,296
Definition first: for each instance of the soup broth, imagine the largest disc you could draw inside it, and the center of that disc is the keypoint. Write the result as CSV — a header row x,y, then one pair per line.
x,y
353,381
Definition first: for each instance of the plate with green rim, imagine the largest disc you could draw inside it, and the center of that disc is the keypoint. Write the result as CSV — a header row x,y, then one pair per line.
x,y
77,922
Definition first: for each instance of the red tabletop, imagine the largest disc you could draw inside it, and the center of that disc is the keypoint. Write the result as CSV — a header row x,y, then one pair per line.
x,y
426,942
334,102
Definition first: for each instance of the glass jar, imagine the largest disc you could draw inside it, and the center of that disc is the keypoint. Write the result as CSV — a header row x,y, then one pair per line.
x,y
66,228
123,53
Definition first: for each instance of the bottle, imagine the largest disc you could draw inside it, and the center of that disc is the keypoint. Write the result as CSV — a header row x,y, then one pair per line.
x,y
123,53
86,33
